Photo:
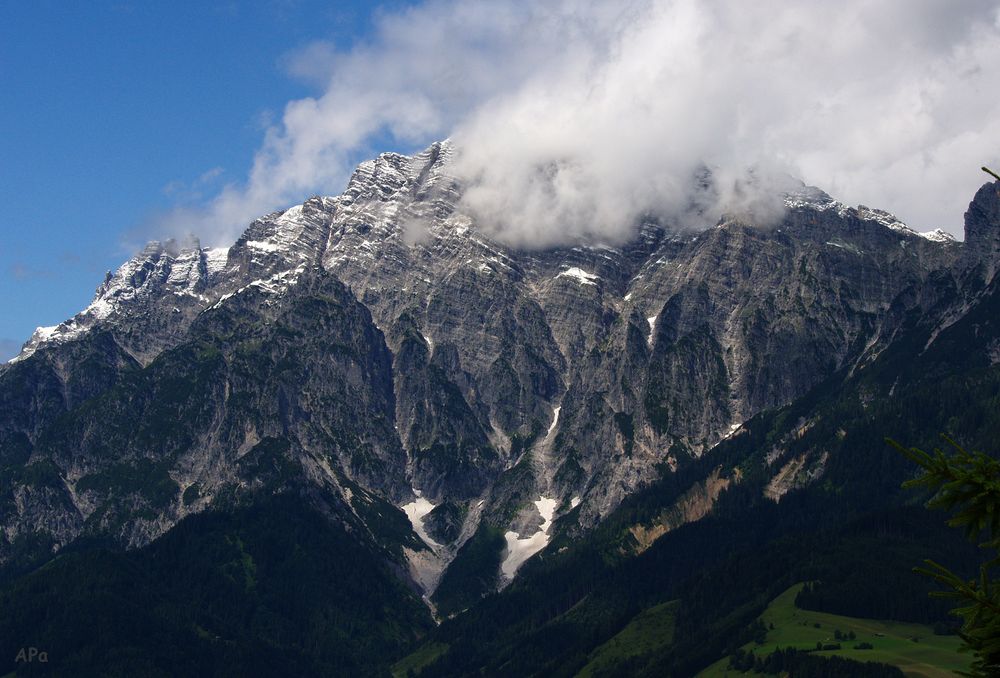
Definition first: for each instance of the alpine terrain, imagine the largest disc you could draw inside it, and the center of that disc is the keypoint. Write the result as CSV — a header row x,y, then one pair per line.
x,y
369,438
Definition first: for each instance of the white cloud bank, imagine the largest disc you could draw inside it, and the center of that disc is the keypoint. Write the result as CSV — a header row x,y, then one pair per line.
x,y
576,117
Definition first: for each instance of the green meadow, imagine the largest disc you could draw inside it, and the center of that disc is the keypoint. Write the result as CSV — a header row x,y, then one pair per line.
x,y
418,660
649,631
912,647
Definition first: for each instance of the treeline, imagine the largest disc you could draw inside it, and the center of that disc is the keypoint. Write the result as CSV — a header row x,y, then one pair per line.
x,y
802,664
883,593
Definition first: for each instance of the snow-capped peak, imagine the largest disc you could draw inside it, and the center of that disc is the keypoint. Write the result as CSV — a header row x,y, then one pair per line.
x,y
163,271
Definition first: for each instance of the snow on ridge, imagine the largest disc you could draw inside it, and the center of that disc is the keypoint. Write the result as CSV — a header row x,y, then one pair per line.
x,y
182,264
581,276
44,333
518,549
937,235
891,222
99,309
812,198
822,202
276,284
882,217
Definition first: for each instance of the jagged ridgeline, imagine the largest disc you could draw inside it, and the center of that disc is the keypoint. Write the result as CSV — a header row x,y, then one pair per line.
x,y
587,428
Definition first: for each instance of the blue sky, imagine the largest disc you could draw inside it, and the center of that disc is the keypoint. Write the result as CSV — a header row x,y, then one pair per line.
x,y
114,112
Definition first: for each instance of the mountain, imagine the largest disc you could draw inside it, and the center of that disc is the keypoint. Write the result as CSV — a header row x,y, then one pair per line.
x,y
450,406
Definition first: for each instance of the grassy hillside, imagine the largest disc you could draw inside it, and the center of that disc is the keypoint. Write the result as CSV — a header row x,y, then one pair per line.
x,y
649,632
912,647
414,663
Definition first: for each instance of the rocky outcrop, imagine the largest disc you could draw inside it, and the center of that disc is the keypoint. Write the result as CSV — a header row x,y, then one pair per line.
x,y
981,252
690,507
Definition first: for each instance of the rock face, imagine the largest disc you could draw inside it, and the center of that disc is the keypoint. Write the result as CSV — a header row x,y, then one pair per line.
x,y
264,393
982,233
375,347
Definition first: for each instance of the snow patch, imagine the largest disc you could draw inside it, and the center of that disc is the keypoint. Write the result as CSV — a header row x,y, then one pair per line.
x,y
555,422
652,327
847,247
415,511
99,308
263,246
580,276
733,430
519,550
498,261
574,502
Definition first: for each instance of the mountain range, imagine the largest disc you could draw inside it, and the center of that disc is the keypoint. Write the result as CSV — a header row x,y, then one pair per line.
x,y
503,456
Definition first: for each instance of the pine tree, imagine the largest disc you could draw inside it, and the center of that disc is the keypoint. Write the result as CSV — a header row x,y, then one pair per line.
x,y
967,484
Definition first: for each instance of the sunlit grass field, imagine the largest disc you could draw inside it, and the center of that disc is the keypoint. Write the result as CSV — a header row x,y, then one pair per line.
x,y
912,647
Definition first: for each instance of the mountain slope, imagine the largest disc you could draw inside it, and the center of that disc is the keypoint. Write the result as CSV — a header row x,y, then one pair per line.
x,y
378,353
838,515
274,589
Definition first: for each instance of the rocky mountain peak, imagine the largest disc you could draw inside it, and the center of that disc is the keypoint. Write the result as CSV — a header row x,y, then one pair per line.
x,y
982,231
392,173
169,275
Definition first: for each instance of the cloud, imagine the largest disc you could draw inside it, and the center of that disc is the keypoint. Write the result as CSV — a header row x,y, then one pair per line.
x,y
311,63
21,271
574,118
193,191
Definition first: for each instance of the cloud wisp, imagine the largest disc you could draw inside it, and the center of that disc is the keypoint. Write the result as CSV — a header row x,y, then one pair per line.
x,y
574,118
